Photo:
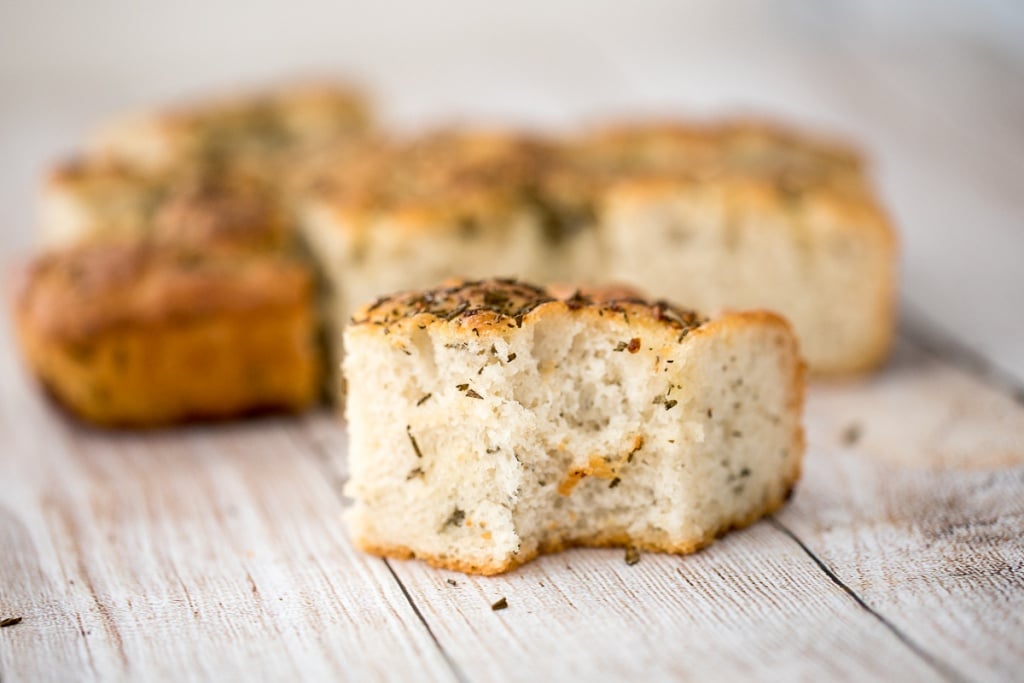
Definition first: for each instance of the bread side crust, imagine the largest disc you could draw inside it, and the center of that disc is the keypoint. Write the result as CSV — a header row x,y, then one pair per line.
x,y
206,368
125,336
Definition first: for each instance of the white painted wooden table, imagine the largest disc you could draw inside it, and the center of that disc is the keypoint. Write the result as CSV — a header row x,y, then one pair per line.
x,y
217,553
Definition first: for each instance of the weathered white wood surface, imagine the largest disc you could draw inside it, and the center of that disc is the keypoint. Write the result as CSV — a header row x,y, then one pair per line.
x,y
209,554
218,554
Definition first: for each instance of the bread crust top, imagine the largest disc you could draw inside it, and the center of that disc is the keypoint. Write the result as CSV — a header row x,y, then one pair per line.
x,y
498,305
223,214
437,179
440,175
73,294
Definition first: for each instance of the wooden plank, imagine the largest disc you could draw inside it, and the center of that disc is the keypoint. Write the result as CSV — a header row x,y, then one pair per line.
x,y
918,528
923,517
199,554
752,607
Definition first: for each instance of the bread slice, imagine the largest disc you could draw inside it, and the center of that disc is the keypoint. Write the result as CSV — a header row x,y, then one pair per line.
x,y
133,334
490,422
726,217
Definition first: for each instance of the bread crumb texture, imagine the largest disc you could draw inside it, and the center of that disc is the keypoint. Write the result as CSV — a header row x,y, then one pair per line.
x,y
490,421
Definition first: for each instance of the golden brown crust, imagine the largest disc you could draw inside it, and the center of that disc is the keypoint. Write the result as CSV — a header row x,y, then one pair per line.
x,y
740,148
132,335
77,293
497,305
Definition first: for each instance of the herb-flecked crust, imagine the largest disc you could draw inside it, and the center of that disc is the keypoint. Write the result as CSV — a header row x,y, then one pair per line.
x,y
499,304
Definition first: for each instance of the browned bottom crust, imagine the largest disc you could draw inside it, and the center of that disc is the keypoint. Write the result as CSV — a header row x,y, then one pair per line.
x,y
208,368
614,539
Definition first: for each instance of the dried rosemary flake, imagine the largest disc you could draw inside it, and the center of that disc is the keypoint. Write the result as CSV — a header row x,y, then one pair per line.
x,y
418,472
455,519
462,387
412,440
632,555
9,621
511,357
500,604
638,445
615,482
852,434
423,400
472,394
621,346
669,405
457,311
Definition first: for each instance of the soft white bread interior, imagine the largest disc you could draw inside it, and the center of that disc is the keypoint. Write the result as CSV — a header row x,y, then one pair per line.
x,y
490,422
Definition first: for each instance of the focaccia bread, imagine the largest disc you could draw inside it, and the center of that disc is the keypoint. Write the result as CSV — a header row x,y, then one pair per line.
x,y
748,216
731,216
134,334
490,422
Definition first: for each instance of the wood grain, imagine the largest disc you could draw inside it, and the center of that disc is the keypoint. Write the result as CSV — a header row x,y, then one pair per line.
x,y
210,553
923,517
129,554
899,558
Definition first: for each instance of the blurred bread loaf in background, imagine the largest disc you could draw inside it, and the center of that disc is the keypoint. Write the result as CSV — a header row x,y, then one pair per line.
x,y
724,216
729,216
139,335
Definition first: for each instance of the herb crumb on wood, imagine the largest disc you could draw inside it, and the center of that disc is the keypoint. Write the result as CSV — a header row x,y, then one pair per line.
x,y
500,605
452,582
10,621
852,433
632,555
412,440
